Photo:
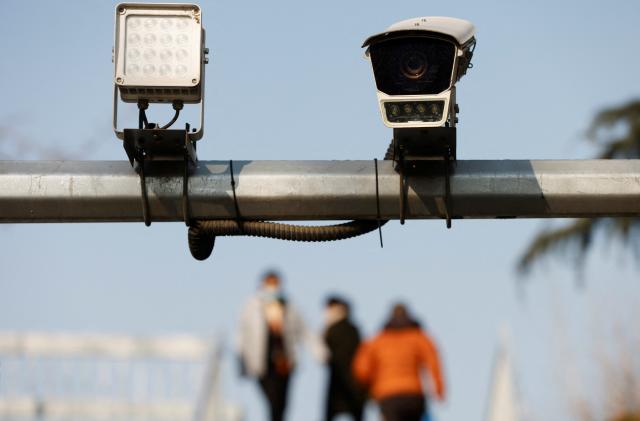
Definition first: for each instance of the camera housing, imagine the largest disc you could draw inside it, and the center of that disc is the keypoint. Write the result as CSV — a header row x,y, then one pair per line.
x,y
416,64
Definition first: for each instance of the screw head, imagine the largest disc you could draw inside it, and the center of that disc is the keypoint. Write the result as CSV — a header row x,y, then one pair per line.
x,y
122,10
194,81
119,80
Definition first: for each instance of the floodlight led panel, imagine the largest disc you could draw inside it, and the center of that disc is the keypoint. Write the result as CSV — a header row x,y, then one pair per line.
x,y
158,52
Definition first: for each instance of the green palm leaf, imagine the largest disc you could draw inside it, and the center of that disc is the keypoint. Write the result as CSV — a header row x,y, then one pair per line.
x,y
616,131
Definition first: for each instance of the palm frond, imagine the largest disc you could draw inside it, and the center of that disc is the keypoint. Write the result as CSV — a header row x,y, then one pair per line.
x,y
624,148
624,228
626,118
627,113
617,132
577,234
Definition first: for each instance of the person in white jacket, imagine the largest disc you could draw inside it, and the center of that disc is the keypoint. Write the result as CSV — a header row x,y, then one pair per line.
x,y
270,329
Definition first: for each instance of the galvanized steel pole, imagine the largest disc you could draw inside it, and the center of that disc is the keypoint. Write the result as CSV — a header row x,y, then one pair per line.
x,y
109,191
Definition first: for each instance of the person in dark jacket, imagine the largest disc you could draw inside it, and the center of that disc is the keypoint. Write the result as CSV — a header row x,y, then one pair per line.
x,y
344,394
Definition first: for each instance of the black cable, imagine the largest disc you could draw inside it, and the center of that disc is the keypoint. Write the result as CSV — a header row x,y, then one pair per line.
x,y
280,231
447,188
202,233
145,198
375,160
142,115
200,241
403,190
233,189
238,219
143,123
173,120
186,209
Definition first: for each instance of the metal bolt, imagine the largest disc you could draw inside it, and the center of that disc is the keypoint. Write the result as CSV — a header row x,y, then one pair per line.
x,y
120,80
194,81
122,10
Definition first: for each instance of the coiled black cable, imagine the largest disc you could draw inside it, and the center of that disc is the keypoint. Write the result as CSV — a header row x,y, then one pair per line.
x,y
202,233
281,231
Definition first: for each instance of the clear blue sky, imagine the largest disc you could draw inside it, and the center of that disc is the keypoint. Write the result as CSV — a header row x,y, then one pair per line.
x,y
287,80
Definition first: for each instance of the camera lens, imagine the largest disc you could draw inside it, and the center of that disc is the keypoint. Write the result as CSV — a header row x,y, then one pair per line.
x,y
414,65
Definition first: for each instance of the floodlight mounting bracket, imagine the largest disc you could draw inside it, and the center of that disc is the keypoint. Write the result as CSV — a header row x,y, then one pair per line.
x,y
145,146
421,151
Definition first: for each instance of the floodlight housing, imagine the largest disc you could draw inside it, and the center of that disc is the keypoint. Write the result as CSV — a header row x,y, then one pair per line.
x,y
159,52
416,63
159,56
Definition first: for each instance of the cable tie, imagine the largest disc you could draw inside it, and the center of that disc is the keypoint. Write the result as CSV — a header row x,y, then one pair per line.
x,y
375,161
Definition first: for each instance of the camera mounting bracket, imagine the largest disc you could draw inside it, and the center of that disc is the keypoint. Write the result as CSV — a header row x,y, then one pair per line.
x,y
421,151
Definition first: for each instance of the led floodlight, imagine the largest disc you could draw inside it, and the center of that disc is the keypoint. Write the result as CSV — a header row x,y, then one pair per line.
x,y
158,52
159,57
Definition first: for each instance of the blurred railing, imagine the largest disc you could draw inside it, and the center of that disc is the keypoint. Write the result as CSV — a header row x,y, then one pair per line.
x,y
55,376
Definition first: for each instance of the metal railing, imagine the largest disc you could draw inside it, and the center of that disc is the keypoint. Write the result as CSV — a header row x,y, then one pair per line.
x,y
50,376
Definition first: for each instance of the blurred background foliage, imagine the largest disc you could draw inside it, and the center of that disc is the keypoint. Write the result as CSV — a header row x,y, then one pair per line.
x,y
615,132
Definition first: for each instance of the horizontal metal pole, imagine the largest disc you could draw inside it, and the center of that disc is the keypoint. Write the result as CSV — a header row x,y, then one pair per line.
x,y
109,191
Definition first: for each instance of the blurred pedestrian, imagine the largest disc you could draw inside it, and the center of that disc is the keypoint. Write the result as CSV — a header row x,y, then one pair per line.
x,y
391,364
270,328
344,394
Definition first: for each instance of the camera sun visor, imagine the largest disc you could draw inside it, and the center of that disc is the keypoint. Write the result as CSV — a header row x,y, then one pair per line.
x,y
413,66
414,111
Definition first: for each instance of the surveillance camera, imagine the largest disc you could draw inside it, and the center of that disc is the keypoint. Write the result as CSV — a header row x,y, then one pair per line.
x,y
416,64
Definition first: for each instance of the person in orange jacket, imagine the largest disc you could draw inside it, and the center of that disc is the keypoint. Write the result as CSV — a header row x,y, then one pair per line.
x,y
390,366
